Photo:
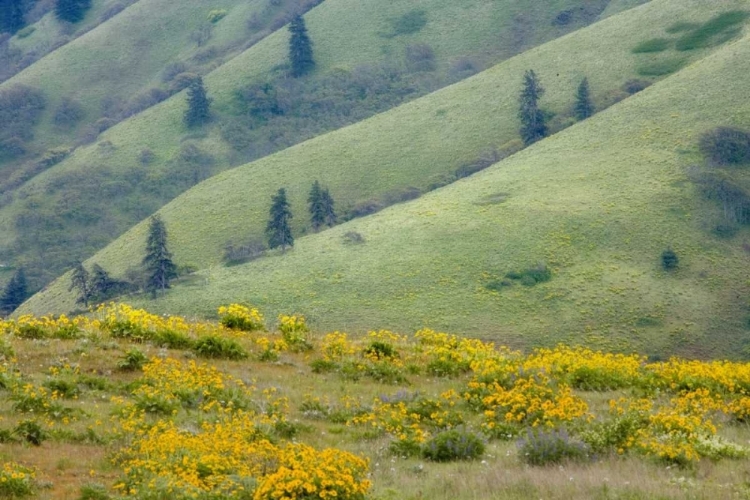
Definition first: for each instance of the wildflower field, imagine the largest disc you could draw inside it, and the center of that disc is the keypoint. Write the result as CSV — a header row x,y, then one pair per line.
x,y
122,403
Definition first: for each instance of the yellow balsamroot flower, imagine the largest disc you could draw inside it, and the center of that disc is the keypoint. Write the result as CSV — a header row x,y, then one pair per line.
x,y
239,317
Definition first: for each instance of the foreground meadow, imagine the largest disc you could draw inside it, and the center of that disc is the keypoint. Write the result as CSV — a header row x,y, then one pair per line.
x,y
125,404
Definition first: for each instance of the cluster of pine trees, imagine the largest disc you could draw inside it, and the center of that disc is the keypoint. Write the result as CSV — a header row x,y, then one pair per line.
x,y
534,119
300,59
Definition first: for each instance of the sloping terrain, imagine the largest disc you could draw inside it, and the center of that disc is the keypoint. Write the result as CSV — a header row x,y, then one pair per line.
x,y
383,55
597,203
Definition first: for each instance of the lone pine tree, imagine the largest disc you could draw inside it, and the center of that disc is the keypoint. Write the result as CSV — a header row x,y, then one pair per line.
x,y
158,259
300,48
81,282
584,106
278,230
533,126
329,214
72,11
15,292
198,111
315,204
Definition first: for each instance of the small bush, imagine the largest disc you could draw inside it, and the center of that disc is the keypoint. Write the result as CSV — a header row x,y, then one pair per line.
x,y
420,57
26,32
381,350
353,238
239,253
64,388
411,22
563,18
528,277
93,491
172,340
653,45
635,86
212,346
31,432
456,444
541,447
669,259
216,15
726,146
132,360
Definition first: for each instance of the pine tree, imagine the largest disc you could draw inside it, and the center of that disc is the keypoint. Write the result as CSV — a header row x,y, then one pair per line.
x,y
300,48
533,126
72,11
328,209
317,210
81,281
584,106
198,102
15,292
158,259
11,16
278,230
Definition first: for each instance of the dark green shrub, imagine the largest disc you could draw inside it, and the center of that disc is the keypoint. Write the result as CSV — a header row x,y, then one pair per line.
x,y
726,146
543,447
212,346
31,432
380,350
726,230
172,339
411,22
653,45
456,444
634,86
64,388
93,491
132,360
322,366
717,30
405,448
669,259
528,277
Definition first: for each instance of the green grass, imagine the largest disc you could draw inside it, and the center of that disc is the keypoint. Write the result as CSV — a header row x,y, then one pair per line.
x,y
346,35
597,203
661,66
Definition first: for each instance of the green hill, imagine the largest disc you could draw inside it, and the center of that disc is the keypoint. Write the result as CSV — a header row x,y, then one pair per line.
x,y
598,203
370,57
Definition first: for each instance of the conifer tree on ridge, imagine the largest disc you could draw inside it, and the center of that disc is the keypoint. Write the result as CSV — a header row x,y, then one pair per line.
x,y
300,48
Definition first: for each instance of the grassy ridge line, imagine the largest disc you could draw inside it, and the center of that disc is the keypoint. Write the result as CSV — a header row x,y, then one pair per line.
x,y
127,53
407,146
346,34
438,280
598,202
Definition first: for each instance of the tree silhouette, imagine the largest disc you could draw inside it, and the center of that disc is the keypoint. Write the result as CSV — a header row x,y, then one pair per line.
x,y
584,106
198,111
81,281
278,229
300,48
15,292
72,11
329,214
315,203
158,259
533,126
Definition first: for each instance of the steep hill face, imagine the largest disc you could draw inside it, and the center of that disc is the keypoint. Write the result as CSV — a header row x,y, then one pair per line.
x,y
597,204
59,205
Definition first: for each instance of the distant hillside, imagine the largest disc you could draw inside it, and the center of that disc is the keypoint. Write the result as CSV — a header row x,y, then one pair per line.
x,y
370,57
597,203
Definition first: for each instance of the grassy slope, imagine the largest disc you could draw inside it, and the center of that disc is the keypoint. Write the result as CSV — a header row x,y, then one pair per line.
x,y
599,202
125,55
346,34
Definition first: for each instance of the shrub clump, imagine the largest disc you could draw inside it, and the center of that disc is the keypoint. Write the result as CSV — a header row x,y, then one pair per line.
x,y
726,146
669,259
543,447
212,346
653,45
455,444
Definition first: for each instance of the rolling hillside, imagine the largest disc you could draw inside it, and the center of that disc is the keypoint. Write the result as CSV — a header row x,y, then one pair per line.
x,y
598,203
75,205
